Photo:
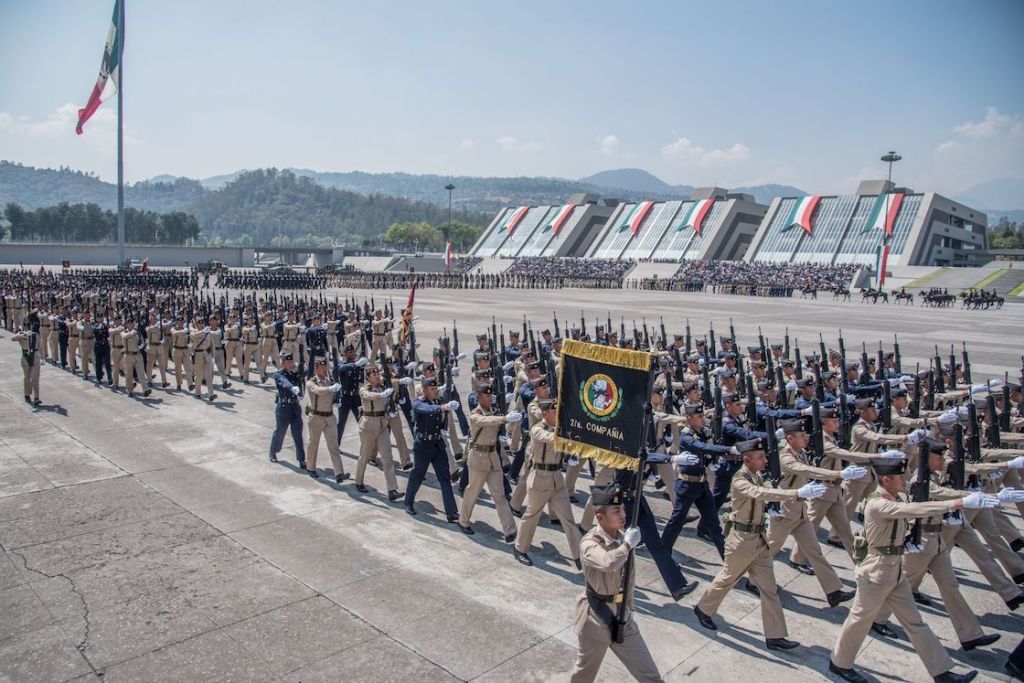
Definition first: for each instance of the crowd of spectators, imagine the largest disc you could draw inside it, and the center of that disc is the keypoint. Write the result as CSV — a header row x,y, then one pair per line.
x,y
572,272
741,277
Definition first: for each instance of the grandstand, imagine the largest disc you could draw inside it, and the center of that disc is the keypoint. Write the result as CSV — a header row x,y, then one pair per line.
x,y
919,229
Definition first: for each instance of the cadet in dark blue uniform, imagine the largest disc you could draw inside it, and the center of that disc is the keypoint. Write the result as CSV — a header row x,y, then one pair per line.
x,y
316,342
101,353
62,336
734,430
287,410
695,441
349,374
428,449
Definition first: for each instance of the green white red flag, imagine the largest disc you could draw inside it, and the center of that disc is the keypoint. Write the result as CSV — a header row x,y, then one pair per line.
x,y
802,213
109,80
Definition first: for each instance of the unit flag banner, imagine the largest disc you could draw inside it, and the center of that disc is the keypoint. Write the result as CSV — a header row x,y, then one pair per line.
x,y
602,394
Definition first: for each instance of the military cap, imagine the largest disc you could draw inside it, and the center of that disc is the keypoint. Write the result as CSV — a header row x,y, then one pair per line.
x,y
864,403
694,357
789,426
765,385
694,408
372,368
483,372
483,388
787,363
935,445
524,345
827,413
481,355
606,495
679,337
428,367
443,340
726,373
286,355
1013,386
535,365
727,340
889,355
852,366
753,349
749,445
832,353
757,364
827,375
556,340
687,387
547,403
541,381
349,348
599,327
320,360
513,333
429,382
776,347
803,382
729,355
730,398
546,332
811,358
481,337
883,466
899,392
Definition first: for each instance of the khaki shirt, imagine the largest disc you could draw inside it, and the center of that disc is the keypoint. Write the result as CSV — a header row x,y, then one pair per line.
x,y
885,524
372,401
131,341
604,559
321,398
750,495
484,427
797,471
864,438
153,333
542,446
180,339
904,424
292,332
201,341
249,335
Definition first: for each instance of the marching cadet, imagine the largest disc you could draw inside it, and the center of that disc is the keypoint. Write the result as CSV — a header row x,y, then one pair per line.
x,y
200,344
233,344
74,337
353,331
316,340
485,462
332,331
604,552
933,558
64,324
320,393
374,439
382,341
157,355
546,483
293,340
287,413
268,345
30,360
180,354
132,360
349,374
116,350
400,384
86,342
746,548
101,348
881,581
735,428
217,351
428,449
44,334
793,519
250,349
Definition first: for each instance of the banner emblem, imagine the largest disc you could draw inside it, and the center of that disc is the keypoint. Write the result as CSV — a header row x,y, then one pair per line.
x,y
600,397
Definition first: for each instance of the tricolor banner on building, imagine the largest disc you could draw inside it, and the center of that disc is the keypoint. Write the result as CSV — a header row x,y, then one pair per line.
x,y
109,80
561,217
638,217
516,218
802,213
602,393
884,212
696,214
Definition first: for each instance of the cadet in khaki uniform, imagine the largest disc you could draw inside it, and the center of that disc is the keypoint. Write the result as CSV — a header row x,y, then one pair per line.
x,y
117,350
86,343
293,338
546,484
156,353
201,345
485,462
374,437
604,553
44,335
30,360
217,351
881,581
268,345
382,342
746,548
180,354
250,349
933,558
74,337
132,360
794,521
322,421
233,345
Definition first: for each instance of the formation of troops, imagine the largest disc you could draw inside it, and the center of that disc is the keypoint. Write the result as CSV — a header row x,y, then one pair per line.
x,y
765,442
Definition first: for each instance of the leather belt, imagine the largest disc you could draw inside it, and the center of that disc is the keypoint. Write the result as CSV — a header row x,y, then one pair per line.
x,y
885,550
323,414
546,468
181,348
693,478
748,528
380,334
252,343
931,528
591,593
374,413
480,448
118,346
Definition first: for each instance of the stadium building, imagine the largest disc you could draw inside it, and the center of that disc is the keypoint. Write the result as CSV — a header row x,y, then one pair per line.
x,y
565,230
879,225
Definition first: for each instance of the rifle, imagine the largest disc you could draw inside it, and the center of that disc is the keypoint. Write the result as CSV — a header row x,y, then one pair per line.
x,y
732,335
716,421
558,331
880,366
865,373
915,405
896,354
664,337
952,369
388,384
992,432
705,393
710,348
886,407
742,386
940,380
919,489
929,401
412,343
785,351
967,368
780,386
524,327
973,440
751,400
583,325
824,353
647,335
455,339
689,341
774,464
494,337
957,470
679,366
1004,417
817,433
843,439
622,331
799,362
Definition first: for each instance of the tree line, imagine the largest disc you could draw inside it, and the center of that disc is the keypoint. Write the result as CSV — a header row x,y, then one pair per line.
x,y
90,223
1006,234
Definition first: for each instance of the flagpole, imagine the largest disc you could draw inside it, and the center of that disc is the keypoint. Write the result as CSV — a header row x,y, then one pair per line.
x,y
120,135
890,158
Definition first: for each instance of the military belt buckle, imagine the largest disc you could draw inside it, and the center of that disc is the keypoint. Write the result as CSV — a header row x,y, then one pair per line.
x,y
618,598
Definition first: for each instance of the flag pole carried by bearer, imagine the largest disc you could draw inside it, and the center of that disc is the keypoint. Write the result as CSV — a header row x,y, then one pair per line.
x,y
110,82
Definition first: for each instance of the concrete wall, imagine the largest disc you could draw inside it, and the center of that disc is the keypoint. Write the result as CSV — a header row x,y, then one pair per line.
x,y
33,254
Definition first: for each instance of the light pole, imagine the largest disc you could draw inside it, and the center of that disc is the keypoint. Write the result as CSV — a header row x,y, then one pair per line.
x,y
890,157
448,232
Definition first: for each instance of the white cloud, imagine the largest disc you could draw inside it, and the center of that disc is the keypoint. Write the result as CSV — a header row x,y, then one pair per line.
x,y
993,125
947,146
512,144
989,149
467,143
609,144
686,151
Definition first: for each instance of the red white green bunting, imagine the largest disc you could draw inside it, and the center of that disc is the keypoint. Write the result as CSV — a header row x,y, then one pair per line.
x,y
802,213
639,216
883,214
627,218
109,79
516,218
696,214
561,217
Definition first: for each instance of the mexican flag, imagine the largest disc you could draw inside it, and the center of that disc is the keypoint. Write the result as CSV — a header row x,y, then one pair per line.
x,y
516,218
883,214
448,257
109,80
881,261
560,218
627,219
801,213
638,217
695,216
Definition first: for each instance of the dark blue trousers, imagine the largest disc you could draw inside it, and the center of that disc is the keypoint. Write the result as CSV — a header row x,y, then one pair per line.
x,y
288,416
431,454
660,553
101,354
723,480
348,406
693,493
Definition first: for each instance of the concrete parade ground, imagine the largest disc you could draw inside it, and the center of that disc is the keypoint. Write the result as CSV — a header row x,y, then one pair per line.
x,y
151,539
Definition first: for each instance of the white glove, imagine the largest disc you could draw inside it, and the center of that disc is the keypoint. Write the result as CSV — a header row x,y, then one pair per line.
x,y
733,450
514,416
406,381
335,387
410,367
387,393
790,386
504,439
980,501
954,519
806,412
508,380
853,472
995,475
1010,496
1017,463
508,366
455,372
656,418
295,391
780,434
685,460
893,455
362,362
631,537
915,437
911,548
572,460
452,405
509,397
205,329
812,490
444,433
461,356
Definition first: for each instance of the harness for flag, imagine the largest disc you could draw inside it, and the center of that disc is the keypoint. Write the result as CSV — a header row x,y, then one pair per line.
x,y
109,80
602,395
403,333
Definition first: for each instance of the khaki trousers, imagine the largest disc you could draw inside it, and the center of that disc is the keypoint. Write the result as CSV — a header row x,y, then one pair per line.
x,y
156,357
250,352
328,427
543,488
374,440
966,538
747,553
202,369
880,584
87,351
835,512
116,363
595,638
232,355
133,368
780,528
73,352
182,366
55,344
397,431
485,468
984,523
268,353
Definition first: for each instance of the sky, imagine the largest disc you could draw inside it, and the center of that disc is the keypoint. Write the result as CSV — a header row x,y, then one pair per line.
x,y
803,92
